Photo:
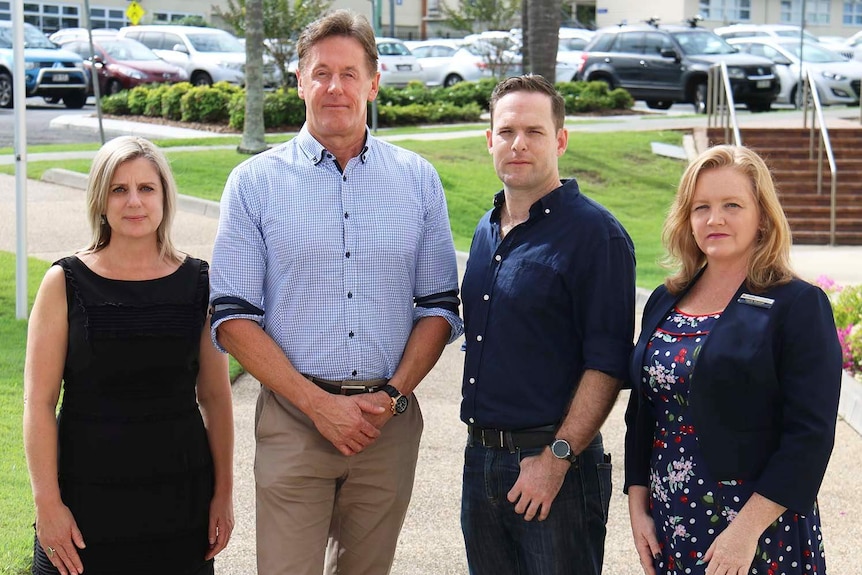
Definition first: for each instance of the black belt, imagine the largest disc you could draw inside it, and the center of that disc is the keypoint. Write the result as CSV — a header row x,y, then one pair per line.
x,y
512,440
347,386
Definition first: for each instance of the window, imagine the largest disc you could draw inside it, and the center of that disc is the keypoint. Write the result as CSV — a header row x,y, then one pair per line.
x,y
727,10
816,11
104,17
168,17
48,17
852,14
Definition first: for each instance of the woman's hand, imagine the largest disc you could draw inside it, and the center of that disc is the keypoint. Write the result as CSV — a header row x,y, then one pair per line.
x,y
220,524
732,552
643,528
60,538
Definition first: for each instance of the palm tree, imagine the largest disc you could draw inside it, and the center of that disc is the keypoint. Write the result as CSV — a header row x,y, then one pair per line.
x,y
543,37
253,131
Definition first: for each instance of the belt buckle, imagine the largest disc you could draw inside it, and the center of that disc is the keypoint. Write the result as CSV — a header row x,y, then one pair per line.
x,y
345,389
487,445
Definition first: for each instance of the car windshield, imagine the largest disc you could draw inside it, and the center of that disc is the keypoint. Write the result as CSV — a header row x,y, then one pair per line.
x,y
127,50
393,49
795,34
813,52
696,43
33,38
215,42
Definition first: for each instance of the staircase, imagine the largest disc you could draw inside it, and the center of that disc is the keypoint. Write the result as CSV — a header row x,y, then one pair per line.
x,y
786,153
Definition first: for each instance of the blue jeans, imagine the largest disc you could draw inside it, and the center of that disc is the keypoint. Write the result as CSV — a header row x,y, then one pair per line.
x,y
500,542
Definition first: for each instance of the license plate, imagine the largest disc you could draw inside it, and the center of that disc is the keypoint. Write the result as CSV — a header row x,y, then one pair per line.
x,y
763,83
405,67
60,78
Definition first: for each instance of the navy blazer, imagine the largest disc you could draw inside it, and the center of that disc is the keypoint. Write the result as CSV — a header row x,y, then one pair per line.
x,y
764,393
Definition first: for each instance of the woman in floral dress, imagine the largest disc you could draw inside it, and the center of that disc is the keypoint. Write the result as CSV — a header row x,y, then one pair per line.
x,y
735,378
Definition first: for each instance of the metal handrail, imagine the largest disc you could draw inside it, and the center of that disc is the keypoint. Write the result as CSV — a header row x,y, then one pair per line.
x,y
720,107
823,143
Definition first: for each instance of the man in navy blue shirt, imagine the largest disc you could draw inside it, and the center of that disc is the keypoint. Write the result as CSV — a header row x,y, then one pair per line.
x,y
548,298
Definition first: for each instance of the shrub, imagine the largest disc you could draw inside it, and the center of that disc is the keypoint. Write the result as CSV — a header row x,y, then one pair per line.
x,y
583,97
172,100
138,100
117,105
153,106
463,93
204,104
847,307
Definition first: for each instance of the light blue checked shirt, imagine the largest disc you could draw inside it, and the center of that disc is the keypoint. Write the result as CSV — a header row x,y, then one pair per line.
x,y
335,266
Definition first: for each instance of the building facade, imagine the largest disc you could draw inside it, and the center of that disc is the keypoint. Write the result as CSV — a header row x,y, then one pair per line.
x,y
417,19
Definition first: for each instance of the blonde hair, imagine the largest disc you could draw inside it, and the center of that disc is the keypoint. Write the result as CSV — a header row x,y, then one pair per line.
x,y
105,164
770,262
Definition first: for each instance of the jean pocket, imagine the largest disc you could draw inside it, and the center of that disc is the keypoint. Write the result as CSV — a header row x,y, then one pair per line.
x,y
603,470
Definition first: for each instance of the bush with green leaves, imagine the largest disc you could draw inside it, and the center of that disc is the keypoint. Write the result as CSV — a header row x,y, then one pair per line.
x,y
153,106
463,93
584,97
281,108
847,309
172,100
116,104
205,104
138,100
414,93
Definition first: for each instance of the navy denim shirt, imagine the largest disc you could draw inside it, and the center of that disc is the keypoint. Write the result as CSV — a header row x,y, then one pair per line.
x,y
552,299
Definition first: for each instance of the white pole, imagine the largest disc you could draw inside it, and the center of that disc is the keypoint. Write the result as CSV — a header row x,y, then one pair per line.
x,y
20,95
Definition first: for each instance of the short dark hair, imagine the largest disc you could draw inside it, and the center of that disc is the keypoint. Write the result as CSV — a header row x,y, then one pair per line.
x,y
339,23
530,83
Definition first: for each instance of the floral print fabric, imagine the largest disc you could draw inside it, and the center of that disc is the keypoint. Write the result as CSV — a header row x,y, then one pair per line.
x,y
688,506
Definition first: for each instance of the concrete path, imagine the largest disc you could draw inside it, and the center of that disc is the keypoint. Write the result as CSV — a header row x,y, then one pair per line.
x,y
431,543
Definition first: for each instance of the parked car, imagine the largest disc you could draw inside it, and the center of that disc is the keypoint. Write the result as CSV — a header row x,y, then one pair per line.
x,y
447,62
65,34
501,50
572,44
123,63
207,54
837,79
397,64
49,71
667,64
771,31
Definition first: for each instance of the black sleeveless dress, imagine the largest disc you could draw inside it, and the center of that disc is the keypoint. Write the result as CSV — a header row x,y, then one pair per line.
x,y
134,462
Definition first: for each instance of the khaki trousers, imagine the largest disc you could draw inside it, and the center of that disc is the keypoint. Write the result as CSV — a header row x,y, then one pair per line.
x,y
320,512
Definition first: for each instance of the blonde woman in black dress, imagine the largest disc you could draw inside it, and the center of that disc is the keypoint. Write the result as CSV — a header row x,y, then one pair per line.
x,y
134,475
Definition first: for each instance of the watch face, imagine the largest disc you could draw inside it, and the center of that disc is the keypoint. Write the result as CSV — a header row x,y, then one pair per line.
x,y
561,449
401,404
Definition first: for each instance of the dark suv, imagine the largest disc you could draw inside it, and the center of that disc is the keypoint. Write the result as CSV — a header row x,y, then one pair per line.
x,y
668,64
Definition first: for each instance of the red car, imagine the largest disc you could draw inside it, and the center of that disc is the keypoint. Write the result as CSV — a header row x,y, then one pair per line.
x,y
124,63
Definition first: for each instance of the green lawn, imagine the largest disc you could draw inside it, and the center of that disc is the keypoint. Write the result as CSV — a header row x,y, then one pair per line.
x,y
16,503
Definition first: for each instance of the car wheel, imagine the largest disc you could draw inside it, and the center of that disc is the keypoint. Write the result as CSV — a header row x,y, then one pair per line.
x,y
201,79
796,97
52,99
113,87
759,106
7,99
700,98
75,100
451,80
659,104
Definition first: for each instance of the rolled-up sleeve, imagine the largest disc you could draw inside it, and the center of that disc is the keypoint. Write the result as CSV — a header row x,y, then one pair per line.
x,y
239,255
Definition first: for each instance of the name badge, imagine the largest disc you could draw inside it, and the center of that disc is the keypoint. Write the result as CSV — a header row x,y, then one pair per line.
x,y
756,300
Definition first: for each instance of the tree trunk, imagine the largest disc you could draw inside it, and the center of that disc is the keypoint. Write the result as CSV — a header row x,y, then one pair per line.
x,y
525,37
544,36
253,130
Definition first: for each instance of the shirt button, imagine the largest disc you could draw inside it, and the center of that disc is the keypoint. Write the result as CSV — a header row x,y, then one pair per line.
x,y
472,380
353,372
478,338
471,420
343,178
486,297
547,210
498,257
350,334
347,255
346,215
349,295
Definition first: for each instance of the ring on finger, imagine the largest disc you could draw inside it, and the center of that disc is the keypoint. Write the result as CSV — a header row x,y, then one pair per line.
x,y
49,551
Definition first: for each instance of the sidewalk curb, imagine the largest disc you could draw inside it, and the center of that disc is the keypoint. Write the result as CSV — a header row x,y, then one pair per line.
x,y
78,181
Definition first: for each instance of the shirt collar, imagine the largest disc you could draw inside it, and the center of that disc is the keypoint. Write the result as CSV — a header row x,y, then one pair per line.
x,y
316,153
545,205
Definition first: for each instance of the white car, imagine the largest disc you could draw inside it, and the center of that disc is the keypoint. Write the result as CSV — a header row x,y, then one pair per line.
x,y
772,31
397,64
572,42
447,62
837,79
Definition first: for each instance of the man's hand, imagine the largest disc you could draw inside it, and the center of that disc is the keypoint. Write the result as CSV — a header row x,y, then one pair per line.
x,y
382,399
538,484
343,420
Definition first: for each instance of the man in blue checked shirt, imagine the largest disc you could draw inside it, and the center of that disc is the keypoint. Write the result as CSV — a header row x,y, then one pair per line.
x,y
549,314
334,283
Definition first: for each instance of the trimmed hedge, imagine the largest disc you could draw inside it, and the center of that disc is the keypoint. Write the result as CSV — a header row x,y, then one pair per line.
x,y
283,108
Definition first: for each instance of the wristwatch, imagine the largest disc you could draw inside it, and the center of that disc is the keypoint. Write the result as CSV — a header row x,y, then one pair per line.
x,y
398,403
562,450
